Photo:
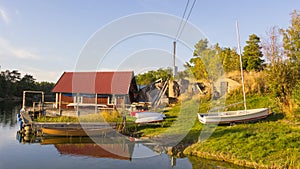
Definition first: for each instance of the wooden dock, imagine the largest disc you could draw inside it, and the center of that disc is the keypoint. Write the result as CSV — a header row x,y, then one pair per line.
x,y
27,120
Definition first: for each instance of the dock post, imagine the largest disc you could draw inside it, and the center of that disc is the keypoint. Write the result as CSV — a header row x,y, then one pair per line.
x,y
59,104
96,102
23,104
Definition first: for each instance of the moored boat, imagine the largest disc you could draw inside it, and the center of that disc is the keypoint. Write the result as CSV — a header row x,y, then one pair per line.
x,y
66,131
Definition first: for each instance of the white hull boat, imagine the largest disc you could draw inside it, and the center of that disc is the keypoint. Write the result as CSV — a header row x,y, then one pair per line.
x,y
233,116
144,114
151,119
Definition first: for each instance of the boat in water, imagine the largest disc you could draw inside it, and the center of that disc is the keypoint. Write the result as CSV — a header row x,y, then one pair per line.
x,y
78,132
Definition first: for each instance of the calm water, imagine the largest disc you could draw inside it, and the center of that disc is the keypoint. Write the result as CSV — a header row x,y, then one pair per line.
x,y
15,154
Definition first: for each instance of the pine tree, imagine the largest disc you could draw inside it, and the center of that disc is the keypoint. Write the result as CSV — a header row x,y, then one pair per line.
x,y
252,55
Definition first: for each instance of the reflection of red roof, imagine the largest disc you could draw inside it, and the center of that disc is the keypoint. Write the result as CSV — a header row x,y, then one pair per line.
x,y
94,82
116,151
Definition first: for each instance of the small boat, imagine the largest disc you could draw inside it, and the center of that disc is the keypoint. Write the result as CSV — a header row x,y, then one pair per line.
x,y
233,116
151,119
133,113
144,114
66,131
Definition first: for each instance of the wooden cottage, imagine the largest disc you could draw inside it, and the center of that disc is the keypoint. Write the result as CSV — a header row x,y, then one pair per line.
x,y
101,89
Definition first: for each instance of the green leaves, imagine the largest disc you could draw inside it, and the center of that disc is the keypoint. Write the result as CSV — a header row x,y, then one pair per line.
x,y
252,55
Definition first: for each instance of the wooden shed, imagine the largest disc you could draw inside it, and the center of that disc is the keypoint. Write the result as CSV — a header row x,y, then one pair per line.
x,y
102,89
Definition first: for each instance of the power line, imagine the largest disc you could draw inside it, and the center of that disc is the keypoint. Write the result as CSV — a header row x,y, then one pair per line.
x,y
186,20
178,30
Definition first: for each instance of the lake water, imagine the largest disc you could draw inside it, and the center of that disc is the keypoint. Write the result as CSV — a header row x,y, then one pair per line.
x,y
78,154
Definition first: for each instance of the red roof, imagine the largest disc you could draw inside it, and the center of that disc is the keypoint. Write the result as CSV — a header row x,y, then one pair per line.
x,y
116,151
94,82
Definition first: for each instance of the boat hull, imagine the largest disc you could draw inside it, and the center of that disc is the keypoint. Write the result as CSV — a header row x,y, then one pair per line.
x,y
148,114
74,131
233,116
152,119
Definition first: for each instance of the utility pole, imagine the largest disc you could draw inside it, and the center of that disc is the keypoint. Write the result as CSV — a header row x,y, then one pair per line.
x,y
174,56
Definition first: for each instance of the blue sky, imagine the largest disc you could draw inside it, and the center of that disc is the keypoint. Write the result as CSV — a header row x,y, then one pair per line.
x,y
46,38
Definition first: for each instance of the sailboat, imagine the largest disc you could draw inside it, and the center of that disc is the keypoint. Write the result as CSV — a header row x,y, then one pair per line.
x,y
238,115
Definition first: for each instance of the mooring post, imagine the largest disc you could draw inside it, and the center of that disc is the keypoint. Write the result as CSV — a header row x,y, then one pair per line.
x,y
23,105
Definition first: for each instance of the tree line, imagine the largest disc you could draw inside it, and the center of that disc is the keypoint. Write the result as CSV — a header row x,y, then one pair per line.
x,y
12,84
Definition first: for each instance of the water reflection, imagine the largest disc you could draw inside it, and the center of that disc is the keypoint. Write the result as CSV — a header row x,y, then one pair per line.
x,y
8,113
105,147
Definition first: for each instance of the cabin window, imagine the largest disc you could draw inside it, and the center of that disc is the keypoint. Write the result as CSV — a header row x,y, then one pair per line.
x,y
78,99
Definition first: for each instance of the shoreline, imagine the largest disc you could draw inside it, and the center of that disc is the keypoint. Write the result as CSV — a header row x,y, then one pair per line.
x,y
265,144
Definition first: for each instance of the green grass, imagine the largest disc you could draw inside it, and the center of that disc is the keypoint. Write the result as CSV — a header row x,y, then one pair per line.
x,y
179,121
262,144
104,116
56,119
268,143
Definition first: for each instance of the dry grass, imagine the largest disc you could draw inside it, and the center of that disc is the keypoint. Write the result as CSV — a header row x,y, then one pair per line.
x,y
255,82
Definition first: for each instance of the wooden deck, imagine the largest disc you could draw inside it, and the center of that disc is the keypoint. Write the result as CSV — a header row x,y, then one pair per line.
x,y
26,117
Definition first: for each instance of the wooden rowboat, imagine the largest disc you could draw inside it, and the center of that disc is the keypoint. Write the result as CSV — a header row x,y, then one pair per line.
x,y
65,131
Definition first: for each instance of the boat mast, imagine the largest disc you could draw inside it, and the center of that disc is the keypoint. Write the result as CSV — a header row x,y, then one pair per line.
x,y
241,63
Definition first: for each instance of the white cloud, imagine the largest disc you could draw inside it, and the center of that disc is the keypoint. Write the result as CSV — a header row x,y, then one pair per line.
x,y
8,50
4,15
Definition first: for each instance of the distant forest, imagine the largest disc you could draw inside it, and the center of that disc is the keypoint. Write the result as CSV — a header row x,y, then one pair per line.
x,y
12,84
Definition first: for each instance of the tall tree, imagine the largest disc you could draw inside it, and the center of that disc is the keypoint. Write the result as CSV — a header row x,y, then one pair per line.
x,y
230,60
206,63
291,38
196,65
291,45
153,75
252,55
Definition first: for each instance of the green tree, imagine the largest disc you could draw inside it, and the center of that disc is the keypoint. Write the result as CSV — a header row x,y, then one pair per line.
x,y
153,75
3,86
252,55
291,38
230,60
206,62
196,65
45,86
291,45
27,82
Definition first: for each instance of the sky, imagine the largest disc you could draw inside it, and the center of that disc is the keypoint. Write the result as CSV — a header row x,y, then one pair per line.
x,y
46,38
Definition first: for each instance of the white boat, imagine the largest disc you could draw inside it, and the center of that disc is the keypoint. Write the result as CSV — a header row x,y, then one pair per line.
x,y
151,119
144,114
234,116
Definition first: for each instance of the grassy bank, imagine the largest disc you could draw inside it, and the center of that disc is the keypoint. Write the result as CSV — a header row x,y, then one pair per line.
x,y
270,143
273,144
